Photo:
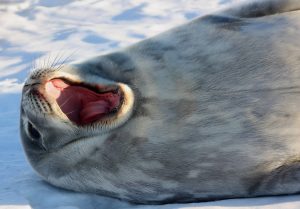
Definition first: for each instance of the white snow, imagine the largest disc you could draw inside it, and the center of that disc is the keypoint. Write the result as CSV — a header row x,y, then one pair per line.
x,y
59,29
10,85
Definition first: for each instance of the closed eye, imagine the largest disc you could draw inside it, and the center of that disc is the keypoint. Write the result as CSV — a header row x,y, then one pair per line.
x,y
34,134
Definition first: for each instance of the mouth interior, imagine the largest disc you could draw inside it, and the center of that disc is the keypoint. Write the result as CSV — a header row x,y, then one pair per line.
x,y
81,104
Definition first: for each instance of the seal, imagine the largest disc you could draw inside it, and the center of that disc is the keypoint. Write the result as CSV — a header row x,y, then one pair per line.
x,y
208,110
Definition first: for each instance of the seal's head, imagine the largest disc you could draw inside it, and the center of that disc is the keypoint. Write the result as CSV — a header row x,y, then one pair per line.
x,y
61,107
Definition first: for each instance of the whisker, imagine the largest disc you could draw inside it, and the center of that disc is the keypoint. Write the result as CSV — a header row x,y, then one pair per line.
x,y
67,59
43,62
33,69
38,62
33,63
65,102
48,61
54,62
31,66
60,56
70,112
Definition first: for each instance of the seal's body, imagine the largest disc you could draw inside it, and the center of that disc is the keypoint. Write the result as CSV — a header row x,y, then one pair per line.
x,y
208,110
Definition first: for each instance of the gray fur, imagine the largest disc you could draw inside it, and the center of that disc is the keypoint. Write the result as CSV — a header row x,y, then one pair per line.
x,y
216,113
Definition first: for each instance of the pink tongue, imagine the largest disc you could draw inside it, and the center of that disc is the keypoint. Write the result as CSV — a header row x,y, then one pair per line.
x,y
80,104
94,110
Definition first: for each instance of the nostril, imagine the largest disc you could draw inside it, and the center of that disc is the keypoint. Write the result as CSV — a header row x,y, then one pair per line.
x,y
31,83
34,134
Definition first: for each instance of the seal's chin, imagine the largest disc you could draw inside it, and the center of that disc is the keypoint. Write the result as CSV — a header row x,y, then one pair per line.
x,y
83,103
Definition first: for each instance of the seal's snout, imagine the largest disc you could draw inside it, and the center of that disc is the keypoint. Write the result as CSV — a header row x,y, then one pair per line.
x,y
76,100
29,86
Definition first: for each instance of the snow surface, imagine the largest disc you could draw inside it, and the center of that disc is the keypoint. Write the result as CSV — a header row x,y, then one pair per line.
x,y
45,30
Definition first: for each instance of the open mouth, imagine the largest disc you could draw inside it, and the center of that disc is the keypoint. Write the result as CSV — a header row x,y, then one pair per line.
x,y
84,103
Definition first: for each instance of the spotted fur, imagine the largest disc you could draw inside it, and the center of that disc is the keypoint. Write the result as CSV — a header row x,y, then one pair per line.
x,y
215,114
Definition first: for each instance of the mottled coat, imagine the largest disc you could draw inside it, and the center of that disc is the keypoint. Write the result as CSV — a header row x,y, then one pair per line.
x,y
214,113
